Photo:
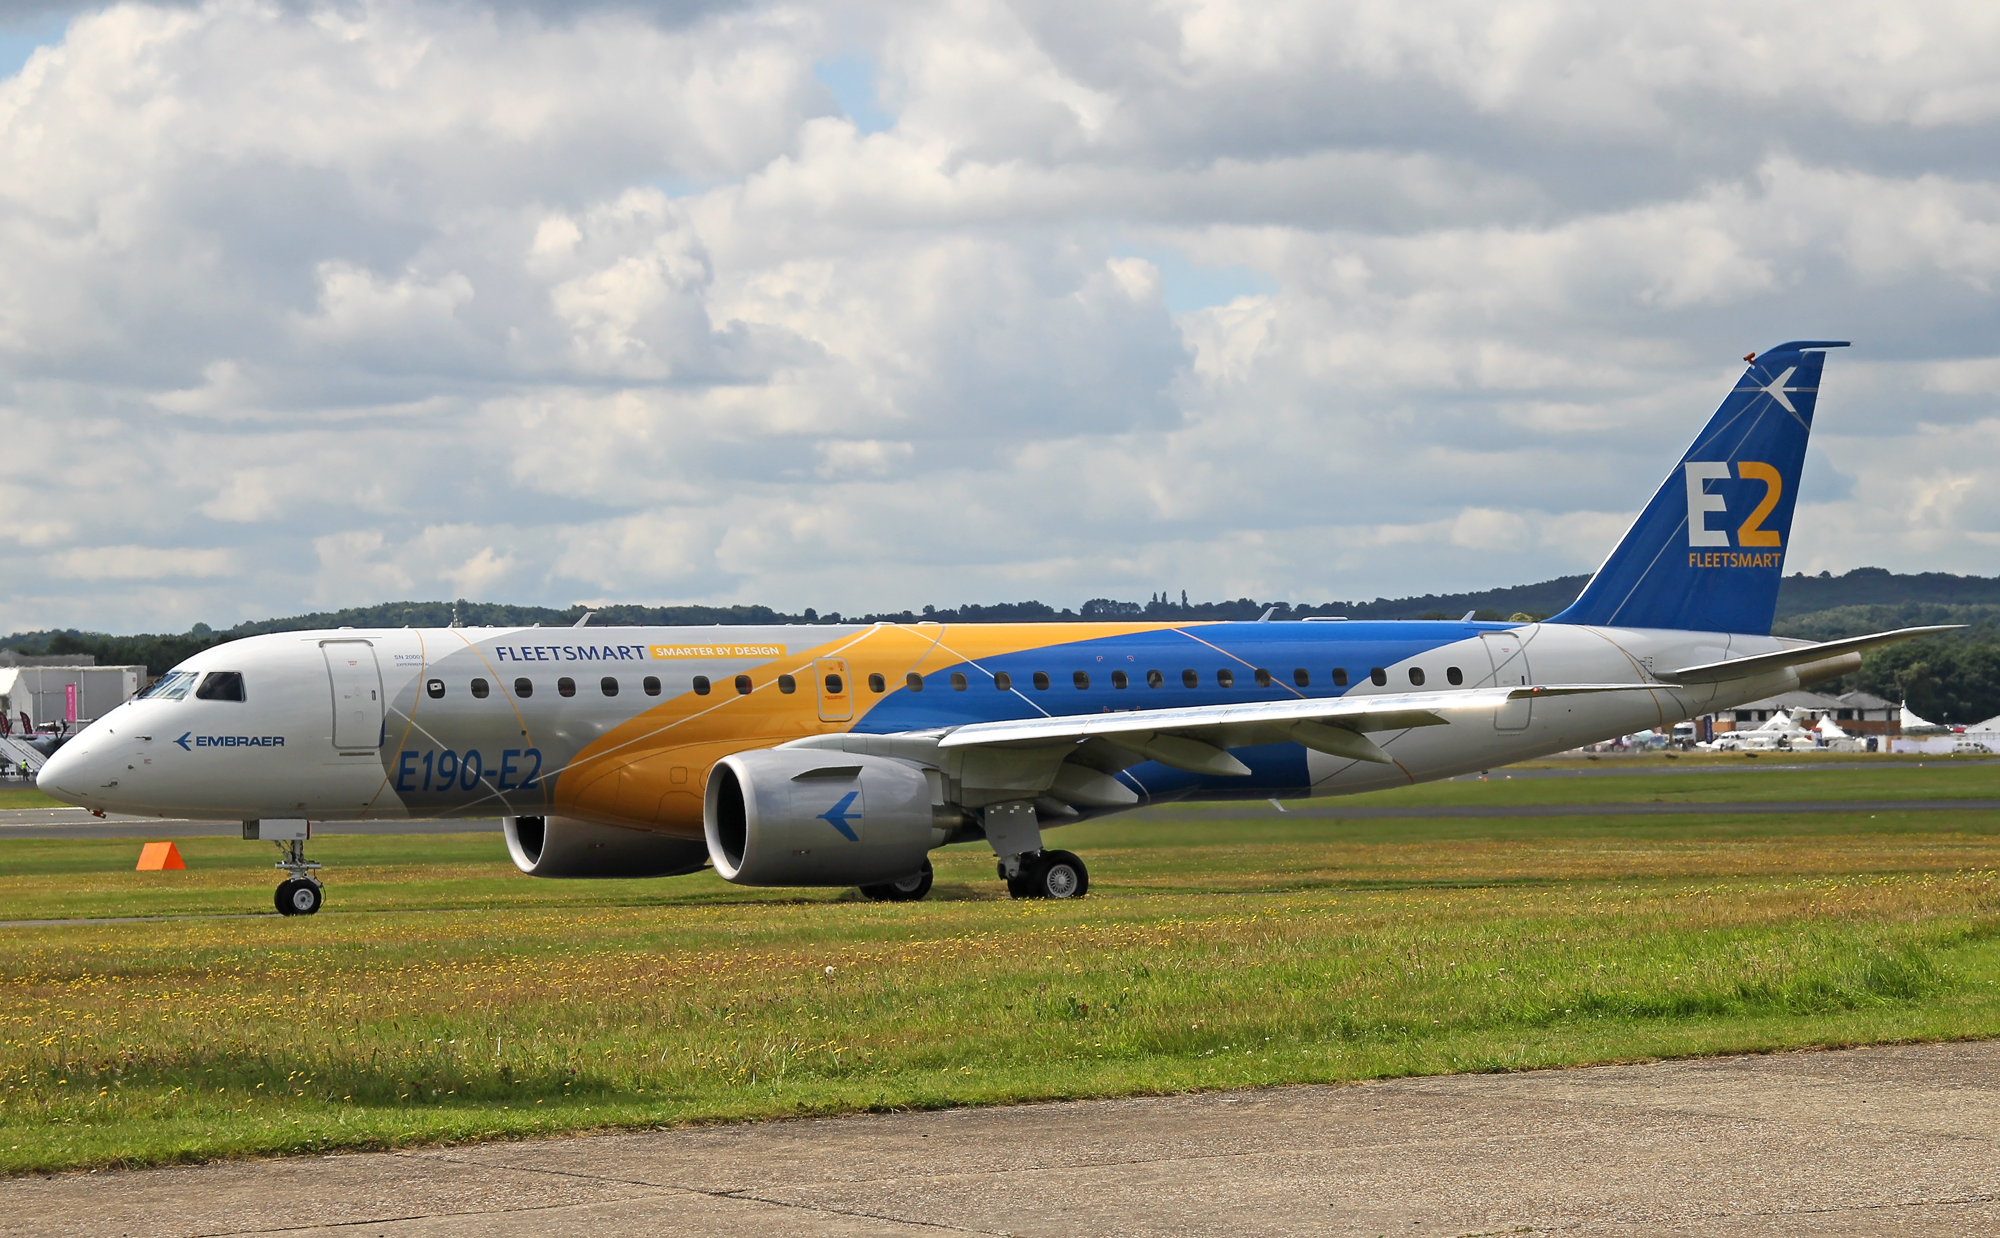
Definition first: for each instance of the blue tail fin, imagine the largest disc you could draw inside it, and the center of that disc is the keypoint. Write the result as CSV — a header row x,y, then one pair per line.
x,y
1709,550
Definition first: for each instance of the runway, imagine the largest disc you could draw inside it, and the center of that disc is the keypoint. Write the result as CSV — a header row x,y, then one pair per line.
x,y
1898,1140
79,823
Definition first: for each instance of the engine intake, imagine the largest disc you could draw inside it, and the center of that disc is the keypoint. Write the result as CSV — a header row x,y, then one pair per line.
x,y
804,817
566,847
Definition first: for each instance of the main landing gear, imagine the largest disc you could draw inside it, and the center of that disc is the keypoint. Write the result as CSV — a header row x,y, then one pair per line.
x,y
908,890
1048,874
301,893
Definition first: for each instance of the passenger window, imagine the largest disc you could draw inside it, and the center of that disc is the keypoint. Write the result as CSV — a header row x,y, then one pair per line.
x,y
1302,677
957,681
1454,676
835,685
1081,679
1190,680
787,684
566,686
1155,680
220,686
1119,680
743,685
480,689
436,689
651,684
1340,677
877,684
1378,676
608,686
914,682
524,688
701,685
1225,678
1417,676
1003,681
1263,678
1041,681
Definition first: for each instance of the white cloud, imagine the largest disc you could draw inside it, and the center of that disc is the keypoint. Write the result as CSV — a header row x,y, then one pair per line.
x,y
405,298
139,563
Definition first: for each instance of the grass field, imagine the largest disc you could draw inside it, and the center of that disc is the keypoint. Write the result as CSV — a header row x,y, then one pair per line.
x,y
443,996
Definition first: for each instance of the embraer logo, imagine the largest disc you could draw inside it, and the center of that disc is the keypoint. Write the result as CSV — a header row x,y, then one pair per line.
x,y
1700,503
1776,389
189,741
838,817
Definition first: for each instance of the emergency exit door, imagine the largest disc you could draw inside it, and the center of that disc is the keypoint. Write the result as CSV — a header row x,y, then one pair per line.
x,y
836,690
357,694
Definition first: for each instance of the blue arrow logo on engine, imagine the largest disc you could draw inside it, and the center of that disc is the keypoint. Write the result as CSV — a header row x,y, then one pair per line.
x,y
183,740
838,817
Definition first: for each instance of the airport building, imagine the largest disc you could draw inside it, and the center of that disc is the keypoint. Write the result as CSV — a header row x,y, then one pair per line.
x,y
1857,713
61,692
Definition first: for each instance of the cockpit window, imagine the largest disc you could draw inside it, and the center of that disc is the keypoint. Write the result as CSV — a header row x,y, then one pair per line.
x,y
221,686
173,686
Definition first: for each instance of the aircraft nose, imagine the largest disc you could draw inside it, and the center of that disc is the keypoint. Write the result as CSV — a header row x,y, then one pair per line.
x,y
67,774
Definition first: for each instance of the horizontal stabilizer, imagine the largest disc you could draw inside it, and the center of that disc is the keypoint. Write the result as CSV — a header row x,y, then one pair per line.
x,y
1800,655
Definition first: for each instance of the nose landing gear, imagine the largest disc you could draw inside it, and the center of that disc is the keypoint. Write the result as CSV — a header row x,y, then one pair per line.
x,y
301,893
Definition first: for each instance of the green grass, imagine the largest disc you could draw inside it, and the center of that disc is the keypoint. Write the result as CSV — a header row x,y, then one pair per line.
x,y
18,796
441,996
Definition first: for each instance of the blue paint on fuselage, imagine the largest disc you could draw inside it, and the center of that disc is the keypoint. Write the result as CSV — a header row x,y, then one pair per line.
x,y
1240,649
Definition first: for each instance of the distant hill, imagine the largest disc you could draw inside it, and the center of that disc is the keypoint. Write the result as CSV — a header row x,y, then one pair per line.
x,y
1820,607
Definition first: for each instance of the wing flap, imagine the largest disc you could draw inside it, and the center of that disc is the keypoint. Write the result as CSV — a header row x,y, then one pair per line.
x,y
1220,727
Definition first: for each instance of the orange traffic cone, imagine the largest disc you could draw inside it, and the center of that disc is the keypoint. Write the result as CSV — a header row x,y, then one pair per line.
x,y
154,857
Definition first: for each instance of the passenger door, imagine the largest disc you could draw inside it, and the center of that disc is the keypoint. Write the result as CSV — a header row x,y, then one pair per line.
x,y
836,689
357,694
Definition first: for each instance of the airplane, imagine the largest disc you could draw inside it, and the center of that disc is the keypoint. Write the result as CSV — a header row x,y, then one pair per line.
x,y
842,754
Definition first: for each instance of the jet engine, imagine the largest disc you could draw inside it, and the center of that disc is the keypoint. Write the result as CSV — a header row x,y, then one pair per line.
x,y
808,817
566,847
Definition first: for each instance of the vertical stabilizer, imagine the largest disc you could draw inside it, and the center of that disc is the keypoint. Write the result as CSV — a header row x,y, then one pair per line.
x,y
1708,551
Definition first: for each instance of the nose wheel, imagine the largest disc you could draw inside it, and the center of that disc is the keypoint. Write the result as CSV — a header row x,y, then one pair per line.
x,y
298,896
301,893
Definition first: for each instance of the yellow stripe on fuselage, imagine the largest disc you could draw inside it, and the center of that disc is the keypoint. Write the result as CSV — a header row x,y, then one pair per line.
x,y
649,771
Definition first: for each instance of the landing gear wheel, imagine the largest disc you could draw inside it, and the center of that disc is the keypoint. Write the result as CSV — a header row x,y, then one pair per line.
x,y
1052,874
298,897
908,890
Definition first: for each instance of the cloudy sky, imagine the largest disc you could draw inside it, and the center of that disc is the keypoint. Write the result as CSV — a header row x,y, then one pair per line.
x,y
864,306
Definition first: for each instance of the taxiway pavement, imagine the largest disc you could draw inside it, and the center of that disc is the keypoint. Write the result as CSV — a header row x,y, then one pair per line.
x,y
1900,1140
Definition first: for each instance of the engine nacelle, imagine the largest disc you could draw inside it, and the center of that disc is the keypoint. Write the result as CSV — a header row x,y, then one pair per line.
x,y
566,847
807,817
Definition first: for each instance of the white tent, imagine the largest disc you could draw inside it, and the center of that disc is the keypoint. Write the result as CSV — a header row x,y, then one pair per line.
x,y
1913,725
1991,724
1829,729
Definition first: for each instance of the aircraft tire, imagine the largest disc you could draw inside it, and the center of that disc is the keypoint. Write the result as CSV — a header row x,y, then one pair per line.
x,y
908,890
297,897
1052,874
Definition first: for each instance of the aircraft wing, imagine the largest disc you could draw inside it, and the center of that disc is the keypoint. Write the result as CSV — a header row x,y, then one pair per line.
x,y
1197,738
1765,663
